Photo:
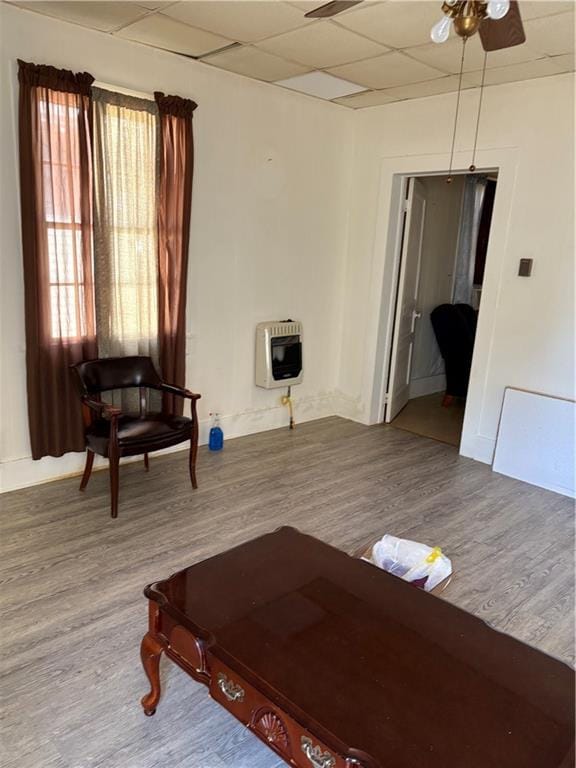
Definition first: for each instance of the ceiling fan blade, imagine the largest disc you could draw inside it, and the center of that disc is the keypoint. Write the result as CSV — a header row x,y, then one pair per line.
x,y
331,9
504,33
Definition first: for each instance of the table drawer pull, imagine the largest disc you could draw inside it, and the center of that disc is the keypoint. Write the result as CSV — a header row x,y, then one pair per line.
x,y
232,691
318,758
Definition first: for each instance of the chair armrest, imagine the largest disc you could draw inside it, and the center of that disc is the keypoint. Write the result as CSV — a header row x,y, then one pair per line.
x,y
104,409
180,391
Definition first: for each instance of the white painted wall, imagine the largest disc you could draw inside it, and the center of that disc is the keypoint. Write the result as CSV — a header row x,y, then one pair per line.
x,y
268,235
526,325
443,207
286,222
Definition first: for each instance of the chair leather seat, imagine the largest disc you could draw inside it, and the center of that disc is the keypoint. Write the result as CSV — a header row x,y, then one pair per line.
x,y
139,435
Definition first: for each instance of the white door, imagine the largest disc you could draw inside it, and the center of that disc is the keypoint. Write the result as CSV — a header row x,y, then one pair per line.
x,y
407,313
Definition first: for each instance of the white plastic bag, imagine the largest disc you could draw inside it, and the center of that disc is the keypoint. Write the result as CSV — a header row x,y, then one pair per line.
x,y
411,561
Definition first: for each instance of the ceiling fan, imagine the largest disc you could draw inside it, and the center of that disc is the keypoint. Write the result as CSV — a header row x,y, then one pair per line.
x,y
498,22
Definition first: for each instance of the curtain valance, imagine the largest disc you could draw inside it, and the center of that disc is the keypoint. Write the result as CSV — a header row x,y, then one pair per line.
x,y
124,101
175,106
44,76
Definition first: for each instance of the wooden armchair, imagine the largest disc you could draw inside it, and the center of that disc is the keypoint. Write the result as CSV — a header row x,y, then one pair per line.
x,y
455,328
112,434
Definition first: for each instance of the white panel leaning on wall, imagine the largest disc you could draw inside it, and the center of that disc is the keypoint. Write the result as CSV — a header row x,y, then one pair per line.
x,y
535,440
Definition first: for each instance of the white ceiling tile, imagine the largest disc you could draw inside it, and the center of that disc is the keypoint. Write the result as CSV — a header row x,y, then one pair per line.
x,y
311,5
104,16
305,5
367,99
446,84
354,45
446,56
160,31
322,44
565,62
250,61
320,84
535,9
552,34
386,71
242,21
396,23
154,5
526,71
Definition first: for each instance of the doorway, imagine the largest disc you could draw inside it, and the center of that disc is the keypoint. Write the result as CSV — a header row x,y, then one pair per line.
x,y
445,227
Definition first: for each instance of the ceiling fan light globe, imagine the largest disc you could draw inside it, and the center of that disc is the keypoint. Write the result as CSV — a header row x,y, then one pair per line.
x,y
441,30
497,9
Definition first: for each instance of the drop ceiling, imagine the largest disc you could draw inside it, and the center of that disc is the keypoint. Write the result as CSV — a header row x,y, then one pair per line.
x,y
375,53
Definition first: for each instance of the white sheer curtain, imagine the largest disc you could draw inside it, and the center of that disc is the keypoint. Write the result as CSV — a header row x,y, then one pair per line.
x,y
473,198
125,225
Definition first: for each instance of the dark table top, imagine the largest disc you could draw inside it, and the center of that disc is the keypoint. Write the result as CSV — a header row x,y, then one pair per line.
x,y
380,665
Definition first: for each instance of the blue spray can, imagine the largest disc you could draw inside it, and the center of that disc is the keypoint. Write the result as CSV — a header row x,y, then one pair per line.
x,y
216,438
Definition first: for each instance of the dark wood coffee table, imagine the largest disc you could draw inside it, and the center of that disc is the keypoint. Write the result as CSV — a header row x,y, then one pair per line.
x,y
334,663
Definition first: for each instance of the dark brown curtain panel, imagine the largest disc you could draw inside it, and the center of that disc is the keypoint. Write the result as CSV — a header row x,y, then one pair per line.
x,y
56,210
174,202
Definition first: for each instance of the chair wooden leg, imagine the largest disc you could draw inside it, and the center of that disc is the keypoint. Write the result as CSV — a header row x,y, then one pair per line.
x,y
114,478
87,469
192,466
447,400
146,463
192,458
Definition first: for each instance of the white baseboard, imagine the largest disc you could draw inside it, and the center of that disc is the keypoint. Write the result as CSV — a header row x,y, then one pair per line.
x,y
349,407
24,472
251,422
479,448
427,386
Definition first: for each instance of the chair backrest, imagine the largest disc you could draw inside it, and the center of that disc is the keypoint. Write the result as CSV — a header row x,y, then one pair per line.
x,y
469,318
109,373
455,328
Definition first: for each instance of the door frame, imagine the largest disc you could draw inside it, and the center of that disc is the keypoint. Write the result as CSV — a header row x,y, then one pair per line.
x,y
394,175
406,213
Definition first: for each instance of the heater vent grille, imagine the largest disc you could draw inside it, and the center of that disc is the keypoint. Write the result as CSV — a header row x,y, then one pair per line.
x,y
285,329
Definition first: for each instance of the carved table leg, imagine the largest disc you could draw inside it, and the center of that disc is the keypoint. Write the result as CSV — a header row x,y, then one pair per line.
x,y
150,652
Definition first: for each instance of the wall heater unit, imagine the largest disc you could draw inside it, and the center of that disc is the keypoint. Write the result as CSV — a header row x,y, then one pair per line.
x,y
278,354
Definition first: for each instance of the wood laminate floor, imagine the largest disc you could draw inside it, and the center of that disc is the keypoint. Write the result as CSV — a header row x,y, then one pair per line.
x,y
72,578
427,417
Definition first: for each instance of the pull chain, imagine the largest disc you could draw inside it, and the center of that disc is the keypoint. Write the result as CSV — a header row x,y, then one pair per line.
x,y
473,167
449,179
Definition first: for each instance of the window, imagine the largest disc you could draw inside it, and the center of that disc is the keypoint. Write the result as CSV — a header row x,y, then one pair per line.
x,y
59,126
125,223
125,184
